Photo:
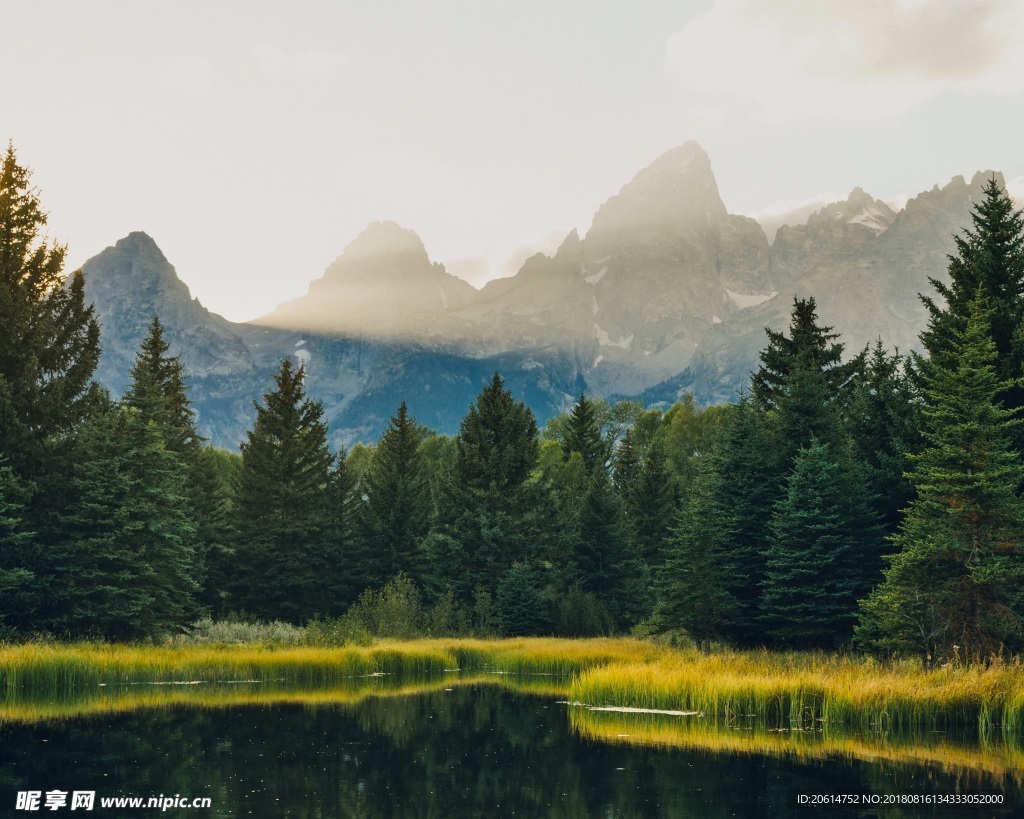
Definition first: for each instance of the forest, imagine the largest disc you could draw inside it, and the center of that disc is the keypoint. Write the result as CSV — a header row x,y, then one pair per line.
x,y
848,499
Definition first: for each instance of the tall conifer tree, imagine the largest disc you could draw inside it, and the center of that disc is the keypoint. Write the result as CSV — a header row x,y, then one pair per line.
x,y
288,564
694,581
491,516
49,338
395,512
126,567
952,588
825,551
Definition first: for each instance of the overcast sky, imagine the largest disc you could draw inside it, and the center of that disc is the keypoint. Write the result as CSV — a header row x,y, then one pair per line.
x,y
254,140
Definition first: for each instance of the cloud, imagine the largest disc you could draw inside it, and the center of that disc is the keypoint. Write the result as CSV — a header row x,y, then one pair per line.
x,y
828,60
275,62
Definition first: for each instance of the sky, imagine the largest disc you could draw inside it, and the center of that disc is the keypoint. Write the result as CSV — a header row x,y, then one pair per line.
x,y
254,140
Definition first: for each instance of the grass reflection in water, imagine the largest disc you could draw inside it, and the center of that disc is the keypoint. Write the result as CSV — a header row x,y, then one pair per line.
x,y
801,706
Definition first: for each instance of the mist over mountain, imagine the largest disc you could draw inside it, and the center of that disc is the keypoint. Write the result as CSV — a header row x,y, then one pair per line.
x,y
666,292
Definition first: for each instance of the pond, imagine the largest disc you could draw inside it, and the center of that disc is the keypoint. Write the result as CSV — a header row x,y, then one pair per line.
x,y
463,748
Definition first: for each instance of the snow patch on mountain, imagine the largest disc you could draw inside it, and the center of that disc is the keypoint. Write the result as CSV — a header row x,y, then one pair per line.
x,y
743,300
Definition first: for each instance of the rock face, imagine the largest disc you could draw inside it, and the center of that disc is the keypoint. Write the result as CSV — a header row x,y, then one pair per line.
x,y
663,256
666,292
382,286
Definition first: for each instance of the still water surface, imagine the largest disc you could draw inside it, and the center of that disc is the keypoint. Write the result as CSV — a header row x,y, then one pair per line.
x,y
472,750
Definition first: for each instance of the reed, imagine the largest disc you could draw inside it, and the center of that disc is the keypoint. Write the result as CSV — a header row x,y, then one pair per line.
x,y
779,689
811,689
51,667
996,759
551,656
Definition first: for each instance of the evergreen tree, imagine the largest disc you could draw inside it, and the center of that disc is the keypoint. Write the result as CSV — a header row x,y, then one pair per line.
x,y
158,392
288,565
15,543
49,339
492,517
810,348
694,582
125,568
211,475
747,456
395,513
824,553
497,446
989,257
583,435
520,607
952,588
49,349
884,421
650,506
605,560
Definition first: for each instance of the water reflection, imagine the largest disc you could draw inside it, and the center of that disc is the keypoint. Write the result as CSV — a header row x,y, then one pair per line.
x,y
439,750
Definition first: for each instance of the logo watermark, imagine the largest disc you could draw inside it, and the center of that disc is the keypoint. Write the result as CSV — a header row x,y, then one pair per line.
x,y
87,800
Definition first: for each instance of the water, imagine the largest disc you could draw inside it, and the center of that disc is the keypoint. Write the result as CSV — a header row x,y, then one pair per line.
x,y
471,750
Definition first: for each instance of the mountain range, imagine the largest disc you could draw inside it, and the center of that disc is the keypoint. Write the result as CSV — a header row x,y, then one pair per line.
x,y
667,292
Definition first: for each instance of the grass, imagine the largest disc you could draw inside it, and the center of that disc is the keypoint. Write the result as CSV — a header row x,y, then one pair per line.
x,y
805,690
996,759
52,667
823,692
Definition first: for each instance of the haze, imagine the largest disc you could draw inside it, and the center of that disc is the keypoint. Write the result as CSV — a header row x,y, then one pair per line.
x,y
255,140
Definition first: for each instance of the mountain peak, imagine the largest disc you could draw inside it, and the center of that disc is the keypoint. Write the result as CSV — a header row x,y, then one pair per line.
x,y
675,192
385,240
382,283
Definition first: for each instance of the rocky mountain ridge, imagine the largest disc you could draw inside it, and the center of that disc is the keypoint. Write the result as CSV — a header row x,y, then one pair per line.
x,y
666,292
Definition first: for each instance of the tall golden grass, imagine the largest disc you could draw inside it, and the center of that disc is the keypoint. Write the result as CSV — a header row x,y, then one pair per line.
x,y
802,690
48,667
995,759
811,689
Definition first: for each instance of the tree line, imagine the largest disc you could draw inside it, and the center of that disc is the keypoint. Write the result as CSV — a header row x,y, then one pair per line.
x,y
871,499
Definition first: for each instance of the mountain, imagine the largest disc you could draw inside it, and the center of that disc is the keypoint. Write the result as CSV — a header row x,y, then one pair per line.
x,y
382,286
666,292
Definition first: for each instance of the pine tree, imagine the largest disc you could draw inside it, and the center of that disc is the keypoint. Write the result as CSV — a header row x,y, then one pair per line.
x,y
693,582
395,513
492,516
747,456
989,257
49,339
951,589
286,559
605,560
583,435
158,392
49,349
497,446
651,506
809,348
884,422
824,553
125,568
15,543
520,607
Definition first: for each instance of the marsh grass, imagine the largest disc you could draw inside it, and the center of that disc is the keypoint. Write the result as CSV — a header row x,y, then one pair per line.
x,y
961,755
781,690
808,690
51,667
